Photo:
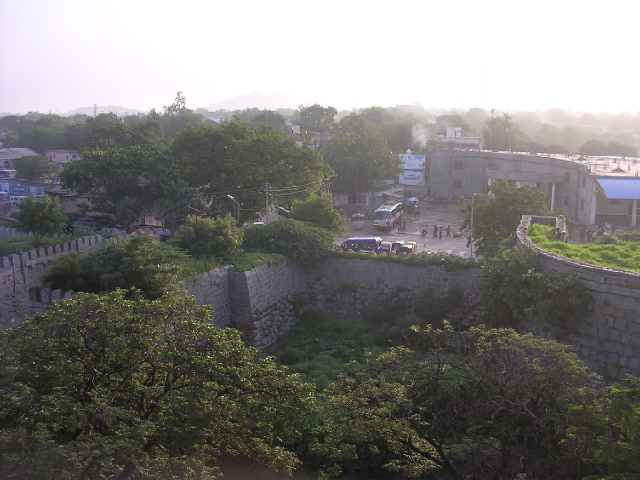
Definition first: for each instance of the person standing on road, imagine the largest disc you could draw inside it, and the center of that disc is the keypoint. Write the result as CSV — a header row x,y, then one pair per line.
x,y
448,230
441,231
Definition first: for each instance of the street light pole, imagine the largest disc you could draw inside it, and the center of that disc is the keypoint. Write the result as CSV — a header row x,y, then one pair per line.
x,y
237,208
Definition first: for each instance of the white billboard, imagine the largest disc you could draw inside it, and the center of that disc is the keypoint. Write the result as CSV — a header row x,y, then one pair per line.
x,y
409,161
411,177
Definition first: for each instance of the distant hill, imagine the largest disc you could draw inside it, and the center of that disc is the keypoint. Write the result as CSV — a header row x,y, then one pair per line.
x,y
263,101
120,111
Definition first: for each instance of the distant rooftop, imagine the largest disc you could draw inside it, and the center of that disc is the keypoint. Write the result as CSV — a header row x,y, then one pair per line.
x,y
602,166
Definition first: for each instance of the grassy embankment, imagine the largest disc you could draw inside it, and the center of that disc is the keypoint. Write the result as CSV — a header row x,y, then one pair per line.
x,y
624,254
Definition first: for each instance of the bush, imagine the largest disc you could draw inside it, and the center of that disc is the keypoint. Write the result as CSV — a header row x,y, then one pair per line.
x,y
513,289
296,240
319,212
151,267
204,237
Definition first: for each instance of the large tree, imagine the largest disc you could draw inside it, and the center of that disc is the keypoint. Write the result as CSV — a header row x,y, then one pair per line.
x,y
477,404
237,159
34,168
124,182
500,133
317,118
358,160
497,214
40,218
103,387
318,211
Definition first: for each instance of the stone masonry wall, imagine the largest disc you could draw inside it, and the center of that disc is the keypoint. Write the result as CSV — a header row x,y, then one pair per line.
x,y
21,289
348,286
608,340
8,232
212,288
262,301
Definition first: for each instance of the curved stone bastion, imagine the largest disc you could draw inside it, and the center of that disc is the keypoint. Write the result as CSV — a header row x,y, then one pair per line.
x,y
608,340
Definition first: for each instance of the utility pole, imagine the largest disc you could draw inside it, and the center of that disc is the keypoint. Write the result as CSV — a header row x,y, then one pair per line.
x,y
266,199
473,197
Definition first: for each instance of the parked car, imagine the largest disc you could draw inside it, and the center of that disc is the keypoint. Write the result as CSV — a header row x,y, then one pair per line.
x,y
408,247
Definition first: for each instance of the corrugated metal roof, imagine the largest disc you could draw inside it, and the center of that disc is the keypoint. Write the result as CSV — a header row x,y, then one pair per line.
x,y
620,188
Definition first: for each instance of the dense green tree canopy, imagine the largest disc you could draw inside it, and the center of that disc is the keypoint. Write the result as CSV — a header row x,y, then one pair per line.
x,y
151,267
100,387
318,211
34,168
478,404
500,133
203,237
124,182
358,160
600,148
297,240
107,130
497,214
317,118
40,218
238,159
514,289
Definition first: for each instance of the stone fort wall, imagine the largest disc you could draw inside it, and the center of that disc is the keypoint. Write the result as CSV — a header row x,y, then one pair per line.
x,y
21,289
262,302
608,340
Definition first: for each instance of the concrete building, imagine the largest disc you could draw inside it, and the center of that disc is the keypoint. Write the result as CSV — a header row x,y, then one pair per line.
x,y
588,189
9,156
455,141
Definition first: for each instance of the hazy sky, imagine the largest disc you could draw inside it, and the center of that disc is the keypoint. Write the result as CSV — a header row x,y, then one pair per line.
x,y
57,55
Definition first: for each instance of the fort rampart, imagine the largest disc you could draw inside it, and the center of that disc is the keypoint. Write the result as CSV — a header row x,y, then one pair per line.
x,y
266,301
608,340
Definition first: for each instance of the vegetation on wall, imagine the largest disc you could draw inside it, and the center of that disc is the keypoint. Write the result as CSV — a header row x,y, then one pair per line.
x,y
203,237
296,240
142,263
513,289
623,254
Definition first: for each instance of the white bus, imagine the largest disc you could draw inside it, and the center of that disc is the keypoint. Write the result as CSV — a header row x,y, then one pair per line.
x,y
388,215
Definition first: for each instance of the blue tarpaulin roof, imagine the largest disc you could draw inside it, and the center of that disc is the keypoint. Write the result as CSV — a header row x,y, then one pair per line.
x,y
620,188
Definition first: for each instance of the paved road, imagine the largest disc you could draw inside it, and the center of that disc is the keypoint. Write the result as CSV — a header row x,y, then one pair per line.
x,y
430,215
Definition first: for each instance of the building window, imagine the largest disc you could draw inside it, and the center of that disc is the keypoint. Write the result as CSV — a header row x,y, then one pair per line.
x,y
614,202
582,205
566,200
457,184
584,182
567,176
457,164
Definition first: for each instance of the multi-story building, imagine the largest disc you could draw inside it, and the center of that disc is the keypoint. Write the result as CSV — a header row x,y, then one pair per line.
x,y
592,190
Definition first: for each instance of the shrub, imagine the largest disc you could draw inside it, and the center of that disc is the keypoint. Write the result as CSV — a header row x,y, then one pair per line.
x,y
513,289
153,268
203,237
319,212
296,240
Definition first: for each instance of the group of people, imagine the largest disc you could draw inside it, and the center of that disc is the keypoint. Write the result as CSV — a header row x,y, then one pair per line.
x,y
437,231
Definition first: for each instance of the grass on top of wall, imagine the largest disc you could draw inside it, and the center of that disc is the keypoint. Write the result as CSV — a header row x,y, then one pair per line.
x,y
23,244
7,223
420,260
242,262
623,255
